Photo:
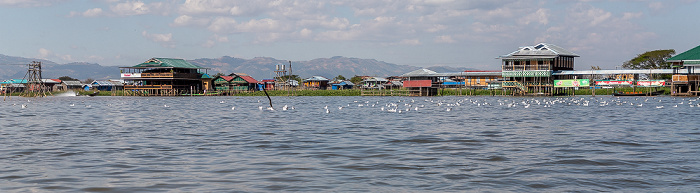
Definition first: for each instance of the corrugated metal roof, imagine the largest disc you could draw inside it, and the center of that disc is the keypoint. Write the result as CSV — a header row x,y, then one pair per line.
x,y
249,79
598,72
541,49
72,83
421,72
343,83
317,78
692,54
167,63
375,79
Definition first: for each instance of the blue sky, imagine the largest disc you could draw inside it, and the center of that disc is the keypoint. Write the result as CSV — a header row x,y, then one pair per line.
x,y
424,33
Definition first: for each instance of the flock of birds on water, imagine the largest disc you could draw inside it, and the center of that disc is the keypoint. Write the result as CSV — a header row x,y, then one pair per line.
x,y
408,105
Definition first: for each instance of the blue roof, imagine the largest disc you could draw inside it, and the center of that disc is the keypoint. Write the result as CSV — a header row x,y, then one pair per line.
x,y
14,81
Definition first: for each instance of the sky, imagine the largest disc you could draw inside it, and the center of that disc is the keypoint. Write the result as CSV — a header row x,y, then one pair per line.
x,y
424,33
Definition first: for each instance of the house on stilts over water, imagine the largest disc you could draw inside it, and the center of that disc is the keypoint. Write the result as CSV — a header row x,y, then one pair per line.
x,y
165,77
530,68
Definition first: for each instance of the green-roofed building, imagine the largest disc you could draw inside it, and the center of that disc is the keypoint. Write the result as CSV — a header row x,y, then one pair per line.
x,y
165,76
686,79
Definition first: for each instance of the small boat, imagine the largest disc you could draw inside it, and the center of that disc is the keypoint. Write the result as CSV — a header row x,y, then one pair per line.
x,y
94,93
638,93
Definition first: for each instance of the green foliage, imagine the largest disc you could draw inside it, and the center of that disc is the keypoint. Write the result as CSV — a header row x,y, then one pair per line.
x,y
356,80
291,77
88,81
67,78
651,60
219,74
340,77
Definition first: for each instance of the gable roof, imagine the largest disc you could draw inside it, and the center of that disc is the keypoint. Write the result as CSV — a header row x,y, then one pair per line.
x,y
537,51
226,78
345,82
249,79
72,83
691,56
421,72
317,78
167,63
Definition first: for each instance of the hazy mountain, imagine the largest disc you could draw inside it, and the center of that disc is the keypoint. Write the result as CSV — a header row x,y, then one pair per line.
x,y
260,68
264,67
449,69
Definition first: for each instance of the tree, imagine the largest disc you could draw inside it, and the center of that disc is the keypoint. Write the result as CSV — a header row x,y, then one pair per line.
x,y
356,80
650,60
340,77
219,74
88,81
67,78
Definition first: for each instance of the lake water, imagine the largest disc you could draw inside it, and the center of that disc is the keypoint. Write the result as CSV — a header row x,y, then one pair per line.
x,y
440,144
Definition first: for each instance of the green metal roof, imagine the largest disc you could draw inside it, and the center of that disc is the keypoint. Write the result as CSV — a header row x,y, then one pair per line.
x,y
692,54
167,63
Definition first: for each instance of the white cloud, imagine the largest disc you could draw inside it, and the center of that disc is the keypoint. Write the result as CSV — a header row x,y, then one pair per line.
x,y
130,8
29,3
628,15
94,12
166,40
222,24
412,42
444,39
186,20
50,55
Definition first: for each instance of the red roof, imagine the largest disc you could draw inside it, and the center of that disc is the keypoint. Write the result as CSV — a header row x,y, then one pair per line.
x,y
57,80
249,79
268,80
417,83
227,78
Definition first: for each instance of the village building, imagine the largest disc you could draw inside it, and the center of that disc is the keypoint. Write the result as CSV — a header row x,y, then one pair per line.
x,y
373,83
164,77
267,84
71,85
316,82
235,82
686,78
530,68
106,85
342,85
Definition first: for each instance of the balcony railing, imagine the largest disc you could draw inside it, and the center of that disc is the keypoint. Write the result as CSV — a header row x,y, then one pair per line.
x,y
526,67
143,87
169,75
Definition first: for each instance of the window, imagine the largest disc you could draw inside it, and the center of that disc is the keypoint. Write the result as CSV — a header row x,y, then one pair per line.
x,y
539,46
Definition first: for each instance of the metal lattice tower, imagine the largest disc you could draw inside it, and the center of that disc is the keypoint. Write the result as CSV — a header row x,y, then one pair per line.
x,y
35,86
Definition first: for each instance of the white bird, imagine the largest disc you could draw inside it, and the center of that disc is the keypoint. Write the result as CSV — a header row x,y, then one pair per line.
x,y
339,108
284,108
260,107
326,107
675,105
72,105
328,111
222,102
166,106
233,108
415,109
270,108
658,107
24,106
449,109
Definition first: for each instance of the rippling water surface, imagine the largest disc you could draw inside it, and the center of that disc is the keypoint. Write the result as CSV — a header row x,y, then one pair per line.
x,y
436,144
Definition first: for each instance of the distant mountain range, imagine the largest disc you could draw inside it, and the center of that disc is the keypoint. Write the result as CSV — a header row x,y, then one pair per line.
x,y
259,68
